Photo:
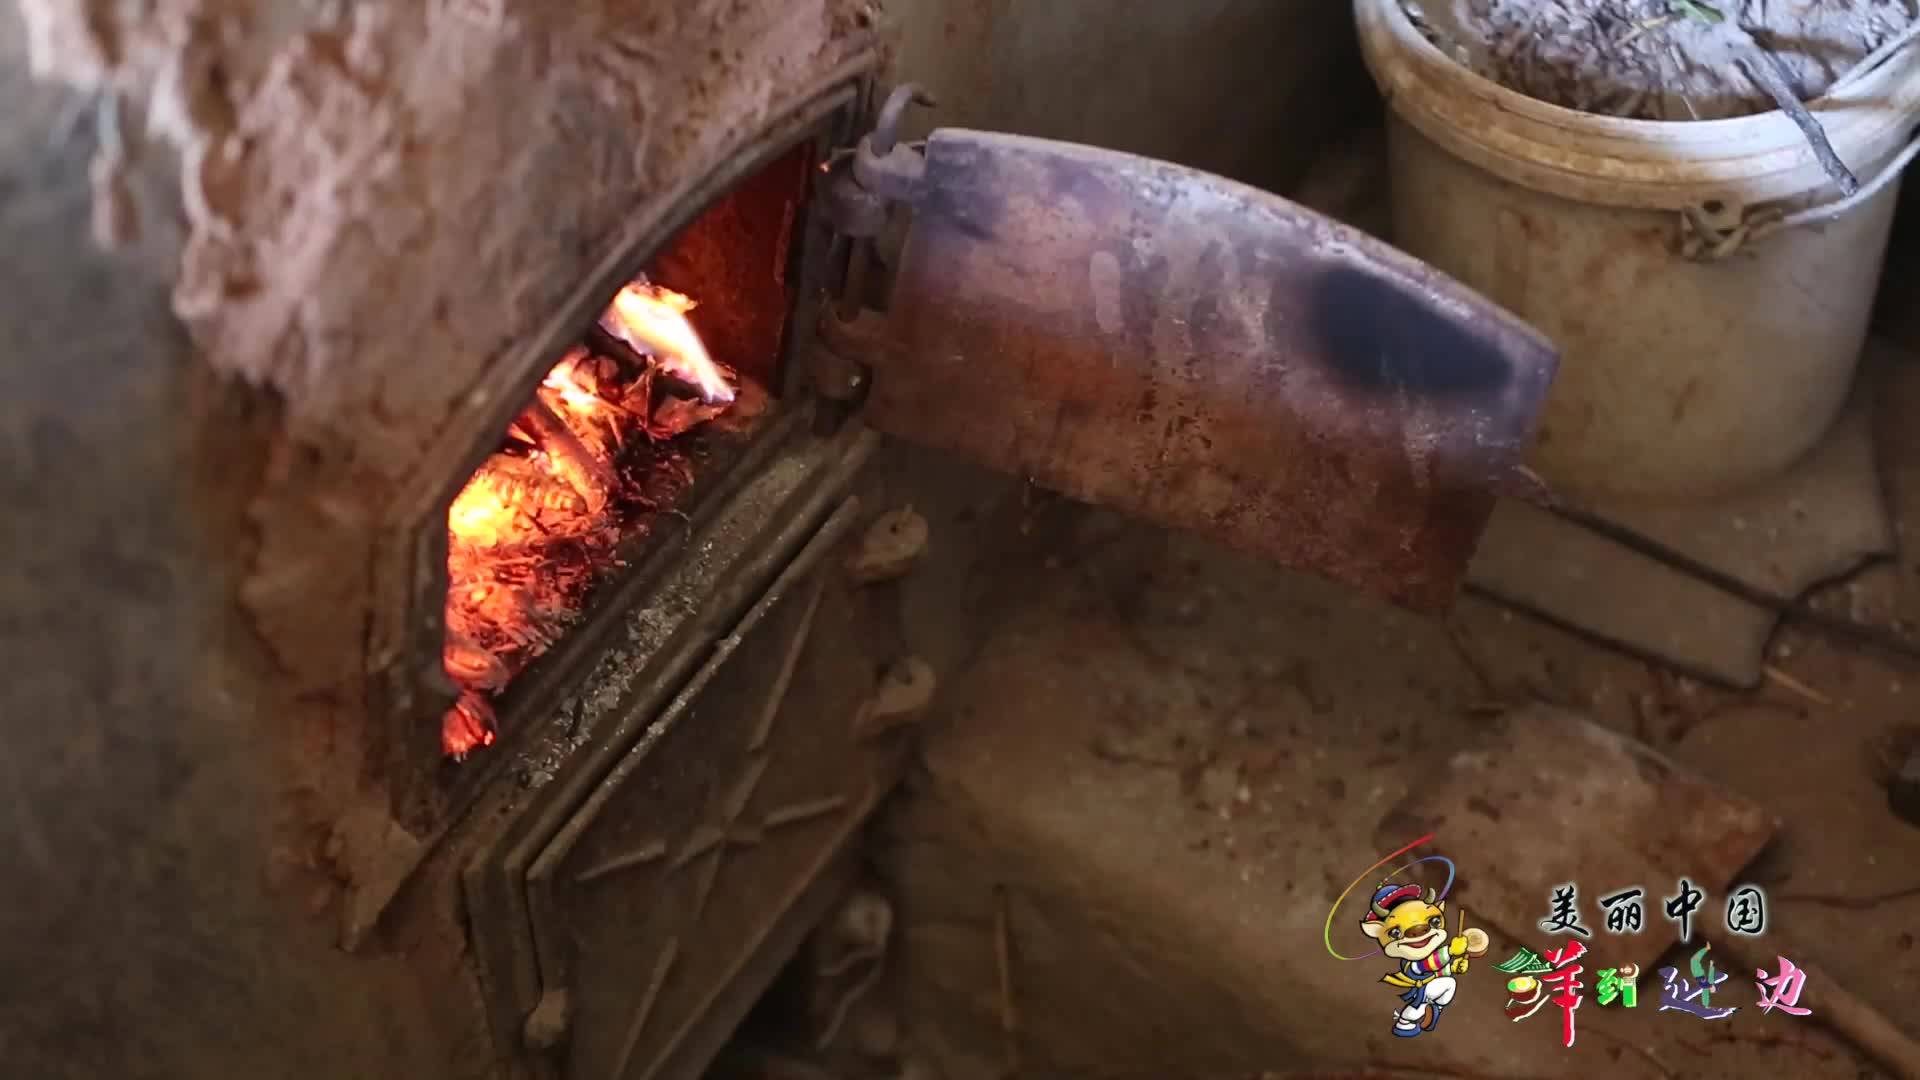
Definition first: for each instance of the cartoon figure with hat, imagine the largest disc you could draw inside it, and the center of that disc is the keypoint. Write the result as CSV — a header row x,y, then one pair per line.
x,y
1411,927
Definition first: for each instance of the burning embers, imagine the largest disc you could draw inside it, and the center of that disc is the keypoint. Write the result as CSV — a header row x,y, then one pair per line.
x,y
583,468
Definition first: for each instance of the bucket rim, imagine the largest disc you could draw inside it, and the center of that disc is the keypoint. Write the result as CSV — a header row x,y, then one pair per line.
x,y
1611,160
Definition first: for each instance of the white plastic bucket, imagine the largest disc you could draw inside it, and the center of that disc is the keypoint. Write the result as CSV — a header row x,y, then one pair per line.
x,y
1681,375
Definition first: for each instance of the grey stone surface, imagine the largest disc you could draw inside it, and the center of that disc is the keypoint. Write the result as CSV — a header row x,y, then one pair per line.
x,y
1817,521
1560,571
1698,584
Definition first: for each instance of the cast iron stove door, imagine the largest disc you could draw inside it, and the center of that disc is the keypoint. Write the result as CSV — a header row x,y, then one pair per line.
x,y
670,897
1200,353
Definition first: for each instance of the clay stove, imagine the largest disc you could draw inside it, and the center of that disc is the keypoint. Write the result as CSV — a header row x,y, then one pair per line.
x,y
337,257
458,663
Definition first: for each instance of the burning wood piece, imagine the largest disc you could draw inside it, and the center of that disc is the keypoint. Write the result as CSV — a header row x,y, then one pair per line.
x,y
542,519
677,413
468,726
676,416
472,666
590,477
636,397
520,484
604,342
654,321
651,367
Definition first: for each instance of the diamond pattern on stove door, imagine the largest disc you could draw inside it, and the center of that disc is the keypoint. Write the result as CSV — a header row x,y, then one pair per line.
x,y
689,853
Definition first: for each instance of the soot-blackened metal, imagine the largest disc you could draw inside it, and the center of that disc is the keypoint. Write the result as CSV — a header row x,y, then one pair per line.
x,y
1199,353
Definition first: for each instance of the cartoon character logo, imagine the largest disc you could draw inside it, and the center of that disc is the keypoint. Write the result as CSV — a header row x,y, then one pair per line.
x,y
1411,927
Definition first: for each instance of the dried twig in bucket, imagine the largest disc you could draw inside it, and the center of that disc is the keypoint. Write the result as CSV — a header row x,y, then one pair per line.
x,y
1644,27
1768,74
1877,57
1698,11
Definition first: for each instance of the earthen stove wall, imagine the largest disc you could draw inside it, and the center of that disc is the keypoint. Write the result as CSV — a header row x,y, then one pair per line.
x,y
272,268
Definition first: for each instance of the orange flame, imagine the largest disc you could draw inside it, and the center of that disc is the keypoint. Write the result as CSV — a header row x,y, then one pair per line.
x,y
654,321
467,727
577,400
542,516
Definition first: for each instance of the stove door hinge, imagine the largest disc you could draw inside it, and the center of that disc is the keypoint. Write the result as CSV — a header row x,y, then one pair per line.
x,y
866,185
882,172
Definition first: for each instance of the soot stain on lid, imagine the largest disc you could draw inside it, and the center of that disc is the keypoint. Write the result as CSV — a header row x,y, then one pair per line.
x,y
1379,337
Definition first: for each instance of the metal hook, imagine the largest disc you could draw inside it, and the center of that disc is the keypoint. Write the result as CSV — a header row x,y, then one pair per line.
x,y
886,127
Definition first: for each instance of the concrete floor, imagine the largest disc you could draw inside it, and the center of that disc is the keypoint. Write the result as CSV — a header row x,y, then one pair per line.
x,y
1169,759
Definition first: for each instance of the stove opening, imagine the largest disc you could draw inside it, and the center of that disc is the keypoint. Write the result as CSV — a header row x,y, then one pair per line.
x,y
656,397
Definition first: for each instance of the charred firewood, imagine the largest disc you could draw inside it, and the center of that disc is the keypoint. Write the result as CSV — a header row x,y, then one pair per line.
x,y
603,342
588,475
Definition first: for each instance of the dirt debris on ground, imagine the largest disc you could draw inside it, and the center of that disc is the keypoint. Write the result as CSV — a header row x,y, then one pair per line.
x,y
1176,746
1240,732
1659,59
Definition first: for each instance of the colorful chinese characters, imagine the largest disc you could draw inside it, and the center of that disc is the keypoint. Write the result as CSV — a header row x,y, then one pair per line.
x,y
1747,910
1618,985
1566,912
1782,991
1694,996
1528,995
1624,910
1682,905
1553,977
1539,979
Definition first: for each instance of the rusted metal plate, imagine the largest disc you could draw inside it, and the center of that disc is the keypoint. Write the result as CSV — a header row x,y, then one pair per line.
x,y
1206,355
